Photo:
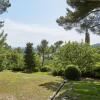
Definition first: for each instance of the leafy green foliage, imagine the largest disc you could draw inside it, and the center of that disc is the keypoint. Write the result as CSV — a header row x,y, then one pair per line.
x,y
12,60
45,69
29,58
37,61
97,72
72,72
79,54
2,51
57,45
42,50
16,61
54,72
2,63
97,54
58,72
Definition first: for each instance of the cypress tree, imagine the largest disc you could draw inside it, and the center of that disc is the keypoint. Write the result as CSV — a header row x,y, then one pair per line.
x,y
29,58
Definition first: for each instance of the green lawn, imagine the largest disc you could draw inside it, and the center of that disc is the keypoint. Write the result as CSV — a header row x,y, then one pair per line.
x,y
40,86
83,90
21,86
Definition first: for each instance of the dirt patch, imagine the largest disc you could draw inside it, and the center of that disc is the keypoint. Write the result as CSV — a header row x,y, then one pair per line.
x,y
7,97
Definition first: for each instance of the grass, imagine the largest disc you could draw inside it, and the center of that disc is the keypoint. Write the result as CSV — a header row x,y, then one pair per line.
x,y
40,86
83,90
21,86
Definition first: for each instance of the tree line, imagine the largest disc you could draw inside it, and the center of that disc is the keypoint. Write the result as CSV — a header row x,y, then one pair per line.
x,y
51,58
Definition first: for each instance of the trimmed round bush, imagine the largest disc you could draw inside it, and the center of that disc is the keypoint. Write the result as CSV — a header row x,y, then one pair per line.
x,y
72,72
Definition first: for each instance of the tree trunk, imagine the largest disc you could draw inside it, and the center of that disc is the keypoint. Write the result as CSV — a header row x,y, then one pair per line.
x,y
43,60
87,37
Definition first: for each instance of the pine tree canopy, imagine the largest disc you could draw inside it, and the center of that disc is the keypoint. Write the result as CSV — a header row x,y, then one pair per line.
x,y
4,4
83,15
81,9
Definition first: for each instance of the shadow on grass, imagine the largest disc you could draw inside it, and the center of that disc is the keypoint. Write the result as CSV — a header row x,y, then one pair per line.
x,y
83,90
51,85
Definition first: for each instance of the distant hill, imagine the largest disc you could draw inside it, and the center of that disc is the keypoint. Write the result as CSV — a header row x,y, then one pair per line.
x,y
96,45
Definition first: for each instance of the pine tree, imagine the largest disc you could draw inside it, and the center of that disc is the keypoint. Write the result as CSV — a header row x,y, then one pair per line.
x,y
2,39
29,58
4,4
84,17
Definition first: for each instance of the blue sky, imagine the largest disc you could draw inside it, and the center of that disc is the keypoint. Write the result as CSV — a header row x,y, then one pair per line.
x,y
36,11
34,20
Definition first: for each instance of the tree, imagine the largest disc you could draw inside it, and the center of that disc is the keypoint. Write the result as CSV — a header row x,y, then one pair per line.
x,y
2,44
77,18
4,4
89,24
29,58
42,49
58,44
82,8
79,54
2,39
14,60
3,50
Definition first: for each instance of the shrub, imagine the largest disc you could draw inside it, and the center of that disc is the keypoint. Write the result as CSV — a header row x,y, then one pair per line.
x,y
72,72
36,69
61,72
45,69
88,74
97,72
1,68
2,62
58,72
14,61
54,72
16,69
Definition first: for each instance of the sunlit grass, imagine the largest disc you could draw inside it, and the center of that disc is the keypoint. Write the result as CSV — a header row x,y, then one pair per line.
x,y
22,86
40,86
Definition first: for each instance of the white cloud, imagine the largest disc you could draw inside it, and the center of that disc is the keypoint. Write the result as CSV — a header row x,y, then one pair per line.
x,y
20,33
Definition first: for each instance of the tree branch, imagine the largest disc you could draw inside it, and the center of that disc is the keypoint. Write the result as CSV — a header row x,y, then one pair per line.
x,y
95,26
93,11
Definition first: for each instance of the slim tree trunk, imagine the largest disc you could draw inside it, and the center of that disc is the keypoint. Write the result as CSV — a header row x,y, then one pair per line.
x,y
43,60
87,37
